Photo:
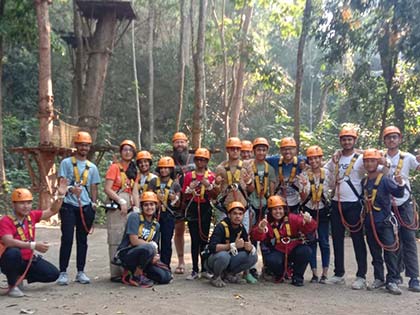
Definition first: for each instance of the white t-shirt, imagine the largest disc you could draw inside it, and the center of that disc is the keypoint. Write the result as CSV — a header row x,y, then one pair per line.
x,y
409,163
356,175
327,185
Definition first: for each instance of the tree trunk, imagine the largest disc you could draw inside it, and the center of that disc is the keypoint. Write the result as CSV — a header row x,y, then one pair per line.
x,y
151,20
323,101
100,49
237,98
78,78
2,169
299,69
136,84
199,76
181,63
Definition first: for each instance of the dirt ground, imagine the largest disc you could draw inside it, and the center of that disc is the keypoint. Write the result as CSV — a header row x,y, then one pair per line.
x,y
196,297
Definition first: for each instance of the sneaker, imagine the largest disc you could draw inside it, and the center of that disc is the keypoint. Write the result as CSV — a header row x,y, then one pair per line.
x,y
376,284
15,292
323,279
314,279
207,275
145,282
359,284
413,285
336,280
297,282
254,273
63,279
250,278
193,276
393,288
82,278
399,281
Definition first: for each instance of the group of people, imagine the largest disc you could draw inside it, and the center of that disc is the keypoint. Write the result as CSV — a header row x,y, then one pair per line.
x,y
285,205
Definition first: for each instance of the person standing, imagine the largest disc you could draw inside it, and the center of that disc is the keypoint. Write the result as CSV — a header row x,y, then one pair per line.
x,y
246,150
79,206
401,163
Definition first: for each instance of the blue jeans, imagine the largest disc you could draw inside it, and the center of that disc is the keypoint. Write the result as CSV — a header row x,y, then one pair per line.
x,y
324,245
13,266
221,262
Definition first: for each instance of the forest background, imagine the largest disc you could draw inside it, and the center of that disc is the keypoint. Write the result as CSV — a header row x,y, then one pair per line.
x,y
219,68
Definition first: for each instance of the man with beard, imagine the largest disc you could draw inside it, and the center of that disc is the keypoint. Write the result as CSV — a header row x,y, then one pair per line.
x,y
184,162
79,206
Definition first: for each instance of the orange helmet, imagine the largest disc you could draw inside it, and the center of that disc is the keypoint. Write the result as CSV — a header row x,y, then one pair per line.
x,y
143,155
371,154
21,194
235,204
391,129
128,142
246,145
82,137
149,196
260,141
203,153
166,161
233,142
179,136
287,142
314,150
348,131
275,201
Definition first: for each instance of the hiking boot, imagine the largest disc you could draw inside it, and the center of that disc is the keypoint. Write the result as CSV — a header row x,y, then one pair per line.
x,y
250,278
217,282
206,275
336,280
393,288
413,285
323,279
359,284
314,279
15,292
376,284
63,279
192,276
82,278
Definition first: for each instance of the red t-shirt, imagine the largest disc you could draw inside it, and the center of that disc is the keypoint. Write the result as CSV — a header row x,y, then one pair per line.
x,y
7,227
199,177
114,174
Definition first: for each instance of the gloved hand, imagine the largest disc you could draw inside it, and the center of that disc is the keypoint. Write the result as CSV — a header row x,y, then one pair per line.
x,y
233,249
136,209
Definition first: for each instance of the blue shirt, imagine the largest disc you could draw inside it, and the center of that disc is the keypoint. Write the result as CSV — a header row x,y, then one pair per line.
x,y
66,171
274,160
132,228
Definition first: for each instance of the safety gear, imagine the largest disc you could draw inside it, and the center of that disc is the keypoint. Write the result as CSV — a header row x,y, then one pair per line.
x,y
166,161
21,194
143,155
275,201
246,145
287,142
371,154
233,250
202,153
348,131
233,142
179,136
235,204
391,129
260,141
314,150
82,137
130,143
149,196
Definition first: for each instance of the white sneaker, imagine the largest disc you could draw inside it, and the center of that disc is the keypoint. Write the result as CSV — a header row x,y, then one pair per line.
x,y
336,280
207,275
359,284
82,278
376,284
193,276
15,292
63,279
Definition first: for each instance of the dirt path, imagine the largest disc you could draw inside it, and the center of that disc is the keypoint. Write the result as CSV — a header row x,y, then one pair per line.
x,y
197,297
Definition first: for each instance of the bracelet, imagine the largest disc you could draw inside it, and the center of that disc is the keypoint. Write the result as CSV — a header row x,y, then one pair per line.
x,y
32,245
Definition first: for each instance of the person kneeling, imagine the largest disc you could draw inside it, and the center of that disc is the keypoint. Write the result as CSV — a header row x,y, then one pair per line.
x,y
283,233
230,248
18,260
138,250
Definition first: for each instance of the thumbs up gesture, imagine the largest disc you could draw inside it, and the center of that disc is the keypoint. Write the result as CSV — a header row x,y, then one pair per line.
x,y
239,242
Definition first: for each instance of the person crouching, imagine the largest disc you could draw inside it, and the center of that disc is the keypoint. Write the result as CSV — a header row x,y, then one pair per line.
x,y
138,250
230,248
283,232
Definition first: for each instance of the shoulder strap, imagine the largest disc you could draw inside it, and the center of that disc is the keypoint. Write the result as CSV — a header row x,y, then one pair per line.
x,y
227,231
